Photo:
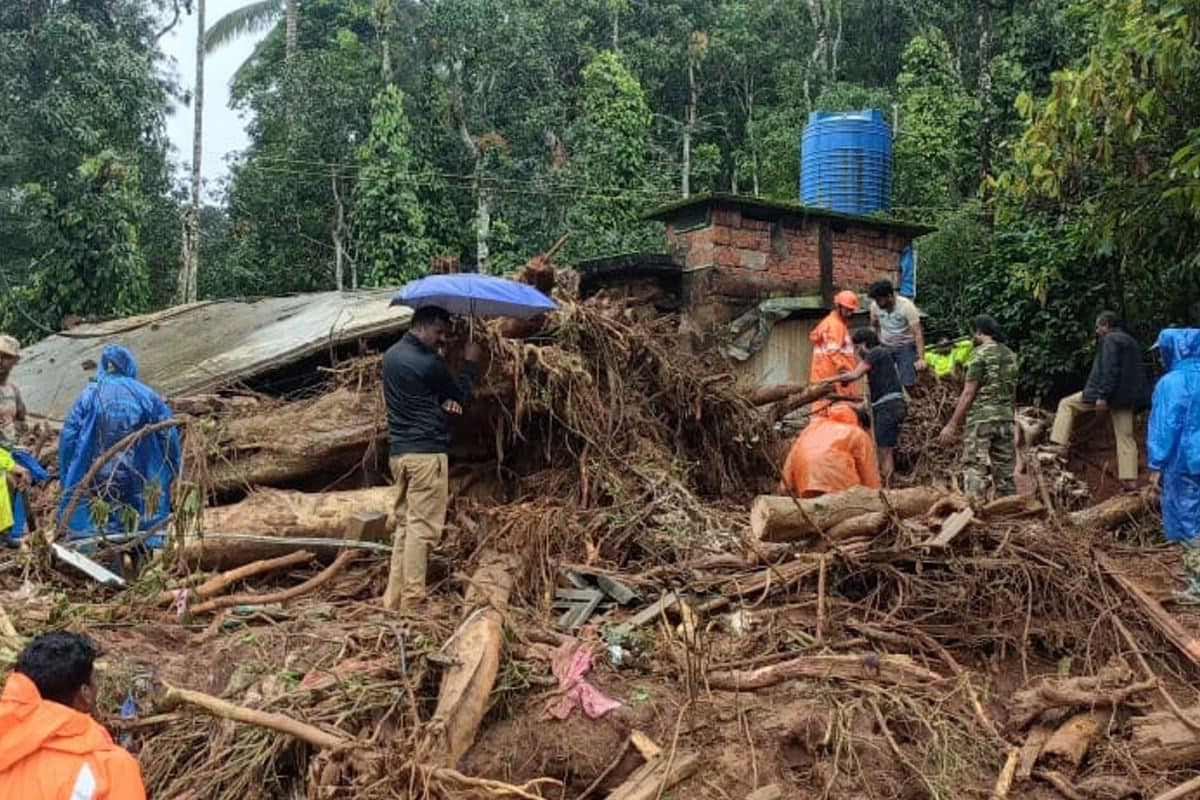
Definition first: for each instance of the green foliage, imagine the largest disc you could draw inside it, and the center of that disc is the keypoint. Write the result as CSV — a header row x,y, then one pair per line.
x,y
88,228
611,161
935,159
85,207
1113,150
389,221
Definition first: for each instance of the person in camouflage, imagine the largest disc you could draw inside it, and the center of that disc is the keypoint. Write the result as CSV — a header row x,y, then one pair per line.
x,y
986,404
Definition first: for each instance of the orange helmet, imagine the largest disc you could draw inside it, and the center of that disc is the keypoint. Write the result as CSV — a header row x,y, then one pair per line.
x,y
846,299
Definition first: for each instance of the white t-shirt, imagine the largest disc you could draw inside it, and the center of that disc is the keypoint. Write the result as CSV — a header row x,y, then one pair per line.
x,y
896,327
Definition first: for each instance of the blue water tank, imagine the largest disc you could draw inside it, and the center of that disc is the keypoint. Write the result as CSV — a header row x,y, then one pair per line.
x,y
846,162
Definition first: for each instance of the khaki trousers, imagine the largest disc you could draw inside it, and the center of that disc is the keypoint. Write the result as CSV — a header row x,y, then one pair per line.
x,y
1122,422
422,491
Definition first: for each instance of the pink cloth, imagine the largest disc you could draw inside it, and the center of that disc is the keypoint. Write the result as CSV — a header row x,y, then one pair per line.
x,y
571,662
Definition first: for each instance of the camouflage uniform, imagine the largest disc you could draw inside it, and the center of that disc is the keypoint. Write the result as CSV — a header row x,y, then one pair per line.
x,y
988,439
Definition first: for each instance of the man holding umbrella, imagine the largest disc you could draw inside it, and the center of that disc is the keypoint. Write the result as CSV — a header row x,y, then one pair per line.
x,y
421,396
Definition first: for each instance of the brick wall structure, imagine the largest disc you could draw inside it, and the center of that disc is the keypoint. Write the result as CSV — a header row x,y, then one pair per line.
x,y
734,252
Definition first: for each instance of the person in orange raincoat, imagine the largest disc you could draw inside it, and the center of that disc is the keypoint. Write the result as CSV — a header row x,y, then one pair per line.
x,y
50,746
832,350
832,453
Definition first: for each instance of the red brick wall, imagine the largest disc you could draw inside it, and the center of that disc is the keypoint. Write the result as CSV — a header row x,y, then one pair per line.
x,y
742,251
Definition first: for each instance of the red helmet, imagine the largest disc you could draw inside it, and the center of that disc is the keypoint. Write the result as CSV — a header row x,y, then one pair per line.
x,y
846,299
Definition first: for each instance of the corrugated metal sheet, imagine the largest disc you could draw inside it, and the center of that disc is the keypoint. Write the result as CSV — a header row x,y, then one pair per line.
x,y
204,346
787,356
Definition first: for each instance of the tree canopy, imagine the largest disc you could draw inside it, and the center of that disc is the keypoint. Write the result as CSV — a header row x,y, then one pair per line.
x,y
1054,143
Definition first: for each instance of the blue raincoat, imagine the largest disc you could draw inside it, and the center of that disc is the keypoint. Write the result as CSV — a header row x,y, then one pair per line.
x,y
1173,440
132,490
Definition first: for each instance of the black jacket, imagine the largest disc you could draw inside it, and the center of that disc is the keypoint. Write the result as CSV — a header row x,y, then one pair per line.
x,y
416,381
1118,374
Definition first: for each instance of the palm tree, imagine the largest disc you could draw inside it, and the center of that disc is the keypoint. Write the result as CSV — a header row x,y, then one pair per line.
x,y
256,17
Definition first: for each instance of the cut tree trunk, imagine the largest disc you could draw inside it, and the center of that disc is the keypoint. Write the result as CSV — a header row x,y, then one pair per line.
x,y
1066,748
274,512
1112,513
801,393
279,446
474,651
1161,740
776,518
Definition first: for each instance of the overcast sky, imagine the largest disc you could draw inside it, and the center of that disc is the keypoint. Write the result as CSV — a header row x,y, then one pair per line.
x,y
224,130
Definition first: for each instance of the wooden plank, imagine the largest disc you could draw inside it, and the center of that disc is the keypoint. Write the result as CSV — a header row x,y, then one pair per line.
x,y
1159,617
651,779
953,525
649,613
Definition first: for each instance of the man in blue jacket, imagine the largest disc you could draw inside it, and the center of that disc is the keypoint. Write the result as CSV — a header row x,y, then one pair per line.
x,y
1117,384
1173,444
421,396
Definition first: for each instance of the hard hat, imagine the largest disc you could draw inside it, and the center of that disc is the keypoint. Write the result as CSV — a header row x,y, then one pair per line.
x,y
9,346
846,299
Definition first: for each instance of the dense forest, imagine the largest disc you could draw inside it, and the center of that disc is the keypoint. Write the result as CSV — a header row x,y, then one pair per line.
x,y
1055,144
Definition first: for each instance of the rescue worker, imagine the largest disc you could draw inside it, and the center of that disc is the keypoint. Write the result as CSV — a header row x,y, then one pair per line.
x,y
833,452
832,349
987,403
13,479
1173,445
50,746
897,322
12,407
132,490
888,406
1117,384
421,397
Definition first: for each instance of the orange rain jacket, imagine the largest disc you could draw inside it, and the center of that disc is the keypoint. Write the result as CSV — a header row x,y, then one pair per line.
x,y
51,752
832,354
831,454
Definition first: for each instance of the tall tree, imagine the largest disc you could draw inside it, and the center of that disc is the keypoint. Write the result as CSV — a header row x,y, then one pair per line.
x,y
84,176
190,252
389,222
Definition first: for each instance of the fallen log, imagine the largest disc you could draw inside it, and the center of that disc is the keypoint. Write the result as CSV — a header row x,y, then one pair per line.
x,y
474,653
274,512
171,697
285,444
1113,512
651,779
1163,741
864,525
799,393
1068,745
1162,621
1051,700
890,669
777,518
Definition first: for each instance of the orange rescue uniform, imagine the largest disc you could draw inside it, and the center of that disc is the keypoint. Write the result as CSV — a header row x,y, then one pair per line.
x,y
51,752
833,352
831,454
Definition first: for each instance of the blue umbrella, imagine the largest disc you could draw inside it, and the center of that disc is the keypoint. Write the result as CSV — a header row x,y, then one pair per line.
x,y
469,294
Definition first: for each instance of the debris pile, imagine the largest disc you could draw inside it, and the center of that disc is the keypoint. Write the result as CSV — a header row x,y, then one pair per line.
x,y
619,611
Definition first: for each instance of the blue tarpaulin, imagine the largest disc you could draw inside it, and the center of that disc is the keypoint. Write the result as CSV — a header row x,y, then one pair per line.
x,y
908,272
1173,440
131,492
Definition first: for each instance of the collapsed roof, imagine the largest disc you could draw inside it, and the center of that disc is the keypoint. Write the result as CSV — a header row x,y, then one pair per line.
x,y
204,346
